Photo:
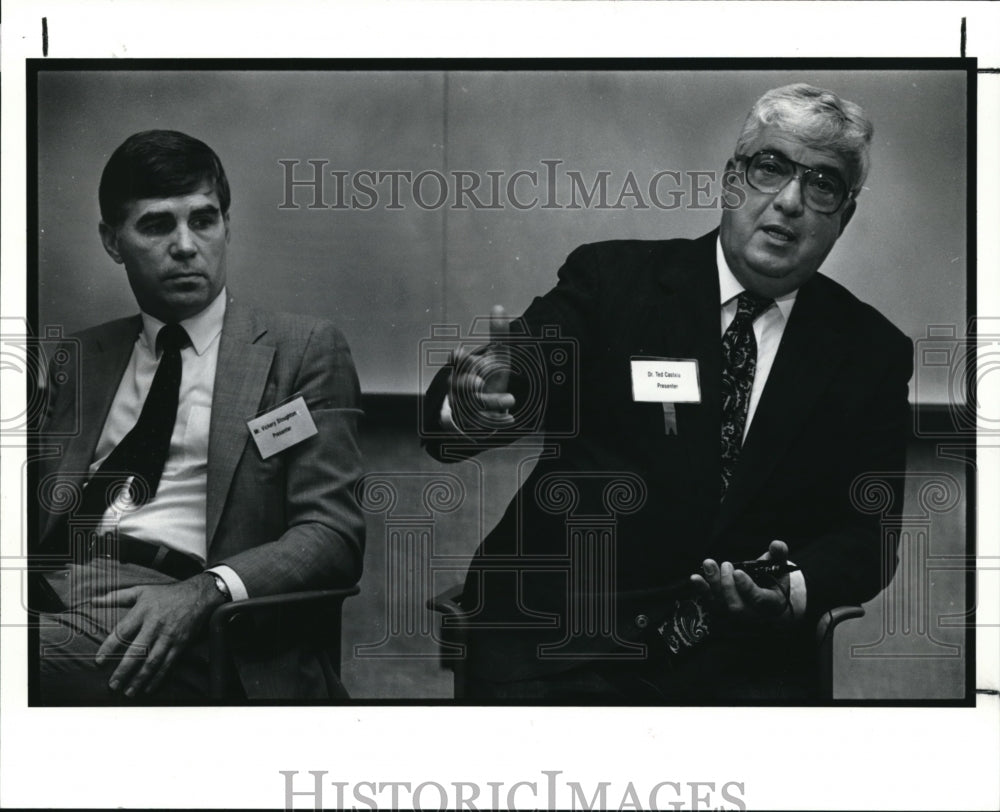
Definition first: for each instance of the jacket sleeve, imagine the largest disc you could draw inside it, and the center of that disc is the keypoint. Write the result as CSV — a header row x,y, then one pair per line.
x,y
854,556
312,487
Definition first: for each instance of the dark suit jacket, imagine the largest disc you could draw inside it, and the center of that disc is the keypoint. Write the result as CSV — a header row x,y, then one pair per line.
x,y
834,409
287,523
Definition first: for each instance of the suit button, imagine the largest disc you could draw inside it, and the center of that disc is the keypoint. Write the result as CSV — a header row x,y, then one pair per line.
x,y
641,621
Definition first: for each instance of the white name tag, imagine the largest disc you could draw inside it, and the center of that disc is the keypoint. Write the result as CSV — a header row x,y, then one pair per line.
x,y
282,427
665,380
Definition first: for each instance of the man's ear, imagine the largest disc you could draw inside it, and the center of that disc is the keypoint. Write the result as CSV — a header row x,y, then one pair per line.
x,y
225,219
109,237
847,214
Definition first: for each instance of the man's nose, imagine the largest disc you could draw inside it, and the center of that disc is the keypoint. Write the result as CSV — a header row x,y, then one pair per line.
x,y
789,200
183,243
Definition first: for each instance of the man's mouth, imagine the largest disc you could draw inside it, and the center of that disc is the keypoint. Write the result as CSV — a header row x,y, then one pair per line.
x,y
779,233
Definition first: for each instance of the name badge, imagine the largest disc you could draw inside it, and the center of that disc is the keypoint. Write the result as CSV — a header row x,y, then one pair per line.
x,y
665,380
282,427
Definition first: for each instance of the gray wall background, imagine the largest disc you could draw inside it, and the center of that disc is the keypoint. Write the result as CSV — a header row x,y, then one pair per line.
x,y
385,276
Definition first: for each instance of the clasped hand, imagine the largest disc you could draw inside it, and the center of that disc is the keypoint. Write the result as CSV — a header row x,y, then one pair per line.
x,y
479,399
740,596
161,621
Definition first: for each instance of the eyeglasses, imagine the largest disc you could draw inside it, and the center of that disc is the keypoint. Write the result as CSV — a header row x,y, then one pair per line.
x,y
770,172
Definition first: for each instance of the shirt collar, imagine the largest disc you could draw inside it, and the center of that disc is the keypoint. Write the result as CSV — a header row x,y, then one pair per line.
x,y
730,287
202,328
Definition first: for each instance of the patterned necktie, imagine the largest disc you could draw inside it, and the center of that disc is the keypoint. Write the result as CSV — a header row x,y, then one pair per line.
x,y
139,458
691,621
739,361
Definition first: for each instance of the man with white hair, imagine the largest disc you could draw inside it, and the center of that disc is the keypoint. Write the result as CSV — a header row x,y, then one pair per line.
x,y
732,405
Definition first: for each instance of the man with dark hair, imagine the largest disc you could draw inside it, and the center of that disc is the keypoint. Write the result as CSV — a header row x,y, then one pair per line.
x,y
158,163
731,401
183,495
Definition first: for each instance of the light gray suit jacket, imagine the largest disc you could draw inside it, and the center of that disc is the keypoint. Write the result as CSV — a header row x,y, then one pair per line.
x,y
288,523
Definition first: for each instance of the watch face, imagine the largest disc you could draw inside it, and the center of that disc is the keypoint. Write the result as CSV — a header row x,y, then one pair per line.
x,y
220,584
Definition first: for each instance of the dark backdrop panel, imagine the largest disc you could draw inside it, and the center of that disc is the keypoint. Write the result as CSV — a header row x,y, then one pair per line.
x,y
376,273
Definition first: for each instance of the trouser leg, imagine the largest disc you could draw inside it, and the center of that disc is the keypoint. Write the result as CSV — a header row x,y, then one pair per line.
x,y
69,641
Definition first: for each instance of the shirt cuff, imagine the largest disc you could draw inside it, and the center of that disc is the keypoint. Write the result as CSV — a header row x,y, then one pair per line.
x,y
237,589
446,412
797,593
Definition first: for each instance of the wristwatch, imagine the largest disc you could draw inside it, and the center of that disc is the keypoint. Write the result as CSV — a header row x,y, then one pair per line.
x,y
221,586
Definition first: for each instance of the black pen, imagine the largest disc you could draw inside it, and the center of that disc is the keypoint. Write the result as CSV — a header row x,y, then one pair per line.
x,y
763,567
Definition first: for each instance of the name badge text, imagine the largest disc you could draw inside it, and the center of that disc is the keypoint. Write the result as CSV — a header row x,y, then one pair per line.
x,y
665,380
282,427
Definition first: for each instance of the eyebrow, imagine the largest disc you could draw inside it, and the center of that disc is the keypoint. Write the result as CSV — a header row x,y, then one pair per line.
x,y
152,217
208,208
828,168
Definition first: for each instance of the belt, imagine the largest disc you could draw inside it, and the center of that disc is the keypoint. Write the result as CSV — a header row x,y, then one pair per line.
x,y
130,550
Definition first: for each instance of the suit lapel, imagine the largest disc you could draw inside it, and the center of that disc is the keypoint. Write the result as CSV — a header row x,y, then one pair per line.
x,y
811,350
689,321
101,368
100,376
240,376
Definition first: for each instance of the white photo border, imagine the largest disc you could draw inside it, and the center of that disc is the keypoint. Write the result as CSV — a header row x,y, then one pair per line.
x,y
231,758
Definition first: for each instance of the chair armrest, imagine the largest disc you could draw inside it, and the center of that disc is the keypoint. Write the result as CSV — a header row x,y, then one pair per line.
x,y
454,635
256,621
830,620
824,643
318,597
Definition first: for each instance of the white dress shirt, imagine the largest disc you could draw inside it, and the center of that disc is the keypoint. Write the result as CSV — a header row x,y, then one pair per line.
x,y
768,329
175,517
